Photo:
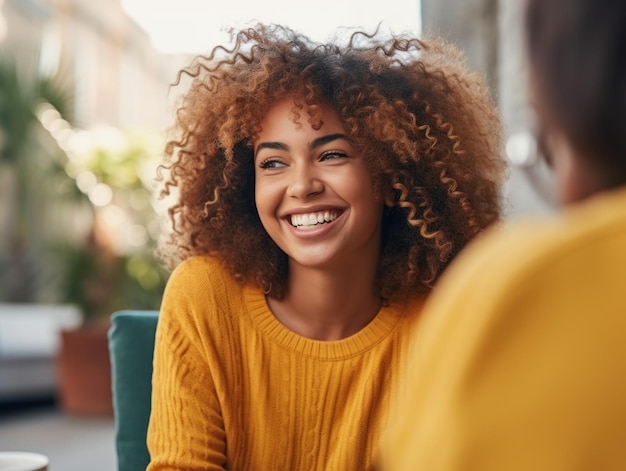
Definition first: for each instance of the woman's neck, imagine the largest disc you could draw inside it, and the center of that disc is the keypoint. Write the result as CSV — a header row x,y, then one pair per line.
x,y
325,305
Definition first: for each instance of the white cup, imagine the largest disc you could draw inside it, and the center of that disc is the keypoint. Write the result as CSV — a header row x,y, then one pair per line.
x,y
23,461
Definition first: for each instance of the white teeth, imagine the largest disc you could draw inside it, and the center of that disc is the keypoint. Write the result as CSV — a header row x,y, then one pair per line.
x,y
312,219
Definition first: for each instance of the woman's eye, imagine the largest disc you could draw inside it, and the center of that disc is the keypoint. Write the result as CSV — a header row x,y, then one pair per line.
x,y
271,163
332,155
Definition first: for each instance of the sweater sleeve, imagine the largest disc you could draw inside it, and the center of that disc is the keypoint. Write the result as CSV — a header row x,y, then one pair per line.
x,y
186,430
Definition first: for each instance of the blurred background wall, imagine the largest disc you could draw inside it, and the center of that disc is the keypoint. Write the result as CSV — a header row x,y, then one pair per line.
x,y
490,33
116,75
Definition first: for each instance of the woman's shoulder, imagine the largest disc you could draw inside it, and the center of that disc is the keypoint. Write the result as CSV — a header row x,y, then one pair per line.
x,y
539,254
528,247
202,275
199,267
200,294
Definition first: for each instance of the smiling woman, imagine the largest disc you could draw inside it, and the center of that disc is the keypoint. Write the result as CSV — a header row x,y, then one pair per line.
x,y
321,190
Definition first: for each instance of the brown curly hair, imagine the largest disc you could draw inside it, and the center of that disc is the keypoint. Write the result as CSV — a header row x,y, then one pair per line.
x,y
424,123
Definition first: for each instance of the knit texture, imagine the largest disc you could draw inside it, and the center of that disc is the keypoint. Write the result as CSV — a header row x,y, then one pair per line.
x,y
235,389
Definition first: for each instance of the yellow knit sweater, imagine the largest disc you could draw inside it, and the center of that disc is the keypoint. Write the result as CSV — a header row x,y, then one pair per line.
x,y
235,389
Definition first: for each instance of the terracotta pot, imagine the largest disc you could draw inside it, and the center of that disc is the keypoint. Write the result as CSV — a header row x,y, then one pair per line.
x,y
84,371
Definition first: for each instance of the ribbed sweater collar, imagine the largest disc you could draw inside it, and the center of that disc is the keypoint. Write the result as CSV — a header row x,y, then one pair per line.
x,y
367,338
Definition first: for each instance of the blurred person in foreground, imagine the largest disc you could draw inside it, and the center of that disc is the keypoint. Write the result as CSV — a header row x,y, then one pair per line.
x,y
521,361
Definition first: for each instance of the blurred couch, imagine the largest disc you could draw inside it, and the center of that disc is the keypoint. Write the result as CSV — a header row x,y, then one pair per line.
x,y
29,343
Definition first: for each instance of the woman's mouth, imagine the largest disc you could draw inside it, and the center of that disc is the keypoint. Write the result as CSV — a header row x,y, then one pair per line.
x,y
313,219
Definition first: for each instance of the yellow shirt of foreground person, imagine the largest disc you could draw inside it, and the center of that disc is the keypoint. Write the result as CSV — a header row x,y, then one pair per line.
x,y
521,364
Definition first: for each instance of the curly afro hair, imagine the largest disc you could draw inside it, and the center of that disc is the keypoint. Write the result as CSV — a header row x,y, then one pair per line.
x,y
425,124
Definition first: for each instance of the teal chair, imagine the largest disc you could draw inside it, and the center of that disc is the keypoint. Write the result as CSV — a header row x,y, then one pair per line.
x,y
131,346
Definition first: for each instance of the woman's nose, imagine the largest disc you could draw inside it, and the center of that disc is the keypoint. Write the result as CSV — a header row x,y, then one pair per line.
x,y
305,183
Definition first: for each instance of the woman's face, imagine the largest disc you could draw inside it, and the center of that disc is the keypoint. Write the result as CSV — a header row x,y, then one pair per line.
x,y
313,191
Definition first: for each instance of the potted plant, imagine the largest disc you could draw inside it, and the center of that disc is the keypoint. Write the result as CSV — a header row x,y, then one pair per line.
x,y
33,185
59,239
30,170
115,267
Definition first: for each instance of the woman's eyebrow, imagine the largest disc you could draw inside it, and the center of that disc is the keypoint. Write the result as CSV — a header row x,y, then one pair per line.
x,y
271,145
320,141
